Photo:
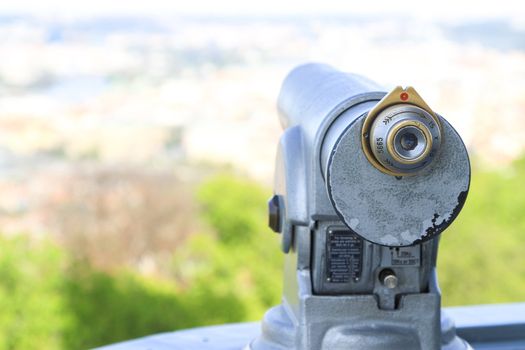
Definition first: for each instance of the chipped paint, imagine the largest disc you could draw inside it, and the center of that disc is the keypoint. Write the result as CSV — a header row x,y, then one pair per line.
x,y
353,223
388,239
407,236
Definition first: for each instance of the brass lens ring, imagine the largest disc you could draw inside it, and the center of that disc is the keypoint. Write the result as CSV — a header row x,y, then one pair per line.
x,y
401,135
394,132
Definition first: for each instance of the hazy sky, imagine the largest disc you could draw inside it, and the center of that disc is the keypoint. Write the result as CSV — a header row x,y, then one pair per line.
x,y
440,9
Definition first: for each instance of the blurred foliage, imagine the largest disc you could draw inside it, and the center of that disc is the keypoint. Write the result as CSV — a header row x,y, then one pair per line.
x,y
230,270
51,299
246,257
481,257
32,313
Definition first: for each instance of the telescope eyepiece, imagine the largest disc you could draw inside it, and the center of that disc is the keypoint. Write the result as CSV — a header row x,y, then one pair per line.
x,y
404,139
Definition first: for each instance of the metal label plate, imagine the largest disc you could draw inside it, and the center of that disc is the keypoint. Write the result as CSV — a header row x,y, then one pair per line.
x,y
344,255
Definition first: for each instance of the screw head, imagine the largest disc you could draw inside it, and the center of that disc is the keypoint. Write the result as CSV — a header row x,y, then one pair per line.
x,y
390,281
388,278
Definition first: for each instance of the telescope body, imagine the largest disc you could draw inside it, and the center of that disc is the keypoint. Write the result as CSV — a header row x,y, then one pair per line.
x,y
365,182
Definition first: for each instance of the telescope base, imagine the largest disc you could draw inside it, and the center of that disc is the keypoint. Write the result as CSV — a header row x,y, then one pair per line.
x,y
339,328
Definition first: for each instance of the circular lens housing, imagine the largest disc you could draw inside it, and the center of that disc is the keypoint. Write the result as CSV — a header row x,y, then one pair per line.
x,y
404,139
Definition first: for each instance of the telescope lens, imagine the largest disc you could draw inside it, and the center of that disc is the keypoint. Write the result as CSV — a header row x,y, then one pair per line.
x,y
408,141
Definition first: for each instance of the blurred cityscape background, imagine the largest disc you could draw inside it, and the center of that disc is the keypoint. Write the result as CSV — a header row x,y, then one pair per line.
x,y
137,147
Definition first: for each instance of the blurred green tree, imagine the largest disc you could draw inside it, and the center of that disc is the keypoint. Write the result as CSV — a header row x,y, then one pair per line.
x,y
32,312
232,270
481,256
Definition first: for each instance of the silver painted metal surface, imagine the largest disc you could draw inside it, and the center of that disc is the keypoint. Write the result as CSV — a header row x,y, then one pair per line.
x,y
486,327
333,197
312,98
224,337
394,211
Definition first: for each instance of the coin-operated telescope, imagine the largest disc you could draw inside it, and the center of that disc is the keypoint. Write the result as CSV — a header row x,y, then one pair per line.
x,y
365,182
